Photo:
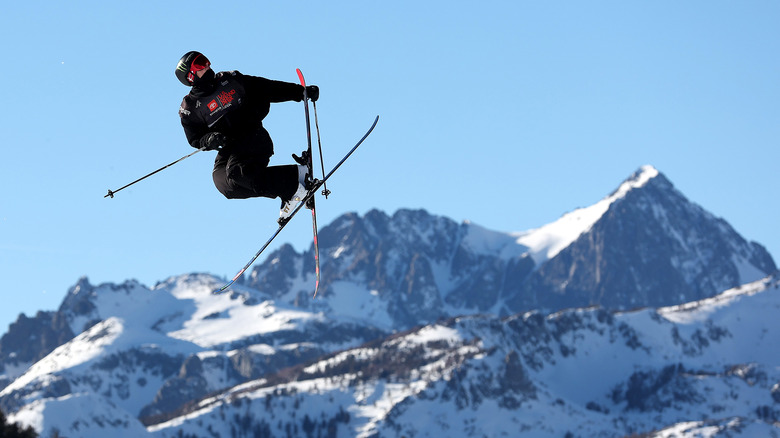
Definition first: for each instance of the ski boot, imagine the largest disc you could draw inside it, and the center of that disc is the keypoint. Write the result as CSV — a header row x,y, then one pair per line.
x,y
304,185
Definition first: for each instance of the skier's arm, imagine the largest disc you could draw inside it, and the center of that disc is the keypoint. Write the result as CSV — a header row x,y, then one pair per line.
x,y
195,134
194,130
273,91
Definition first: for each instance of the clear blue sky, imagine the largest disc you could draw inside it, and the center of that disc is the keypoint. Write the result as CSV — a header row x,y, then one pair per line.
x,y
505,113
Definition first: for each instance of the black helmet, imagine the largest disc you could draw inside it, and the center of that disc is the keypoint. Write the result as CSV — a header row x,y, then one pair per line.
x,y
188,65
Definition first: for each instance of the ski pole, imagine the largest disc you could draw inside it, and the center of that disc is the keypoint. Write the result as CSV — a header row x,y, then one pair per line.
x,y
112,192
325,191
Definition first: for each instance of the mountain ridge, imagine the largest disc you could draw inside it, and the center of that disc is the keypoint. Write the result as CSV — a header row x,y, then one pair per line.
x,y
654,246
437,312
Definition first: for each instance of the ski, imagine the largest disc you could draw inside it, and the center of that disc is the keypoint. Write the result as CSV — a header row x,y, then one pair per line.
x,y
310,205
316,186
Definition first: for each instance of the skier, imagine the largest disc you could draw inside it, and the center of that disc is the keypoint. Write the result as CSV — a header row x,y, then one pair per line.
x,y
224,111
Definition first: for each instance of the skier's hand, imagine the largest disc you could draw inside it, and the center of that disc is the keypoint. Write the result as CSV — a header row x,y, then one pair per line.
x,y
213,140
313,92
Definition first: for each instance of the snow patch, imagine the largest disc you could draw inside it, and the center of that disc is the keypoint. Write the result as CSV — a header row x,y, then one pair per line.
x,y
353,301
699,311
547,241
480,240
431,333
85,414
241,321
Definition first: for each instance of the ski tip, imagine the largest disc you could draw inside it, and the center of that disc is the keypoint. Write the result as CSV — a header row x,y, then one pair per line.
x,y
300,76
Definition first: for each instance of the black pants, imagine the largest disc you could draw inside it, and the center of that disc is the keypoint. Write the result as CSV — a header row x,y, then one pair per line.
x,y
241,177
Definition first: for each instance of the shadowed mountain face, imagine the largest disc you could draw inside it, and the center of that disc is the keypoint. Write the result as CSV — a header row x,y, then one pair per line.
x,y
651,248
644,245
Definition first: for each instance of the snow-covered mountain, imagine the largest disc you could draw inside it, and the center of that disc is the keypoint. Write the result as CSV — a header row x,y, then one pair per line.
x,y
643,245
707,368
424,325
149,351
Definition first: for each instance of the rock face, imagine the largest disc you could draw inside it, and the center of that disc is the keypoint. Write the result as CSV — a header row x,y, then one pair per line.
x,y
644,245
651,248
31,339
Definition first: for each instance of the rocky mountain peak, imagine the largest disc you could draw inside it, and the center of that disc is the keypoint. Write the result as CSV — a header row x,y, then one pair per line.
x,y
645,244
650,247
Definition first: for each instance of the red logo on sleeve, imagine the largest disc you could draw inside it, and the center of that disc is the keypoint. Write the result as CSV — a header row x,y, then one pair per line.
x,y
213,105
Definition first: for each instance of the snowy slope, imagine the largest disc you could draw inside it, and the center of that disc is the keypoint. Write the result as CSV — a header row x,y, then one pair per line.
x,y
113,355
704,367
155,349
83,414
699,369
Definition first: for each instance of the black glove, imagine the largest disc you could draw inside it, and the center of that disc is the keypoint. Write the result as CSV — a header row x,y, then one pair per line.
x,y
213,140
313,92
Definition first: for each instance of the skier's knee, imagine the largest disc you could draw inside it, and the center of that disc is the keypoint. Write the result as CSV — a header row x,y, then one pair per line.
x,y
230,195
228,190
233,192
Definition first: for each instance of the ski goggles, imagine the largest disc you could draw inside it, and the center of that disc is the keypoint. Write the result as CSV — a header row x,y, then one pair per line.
x,y
200,63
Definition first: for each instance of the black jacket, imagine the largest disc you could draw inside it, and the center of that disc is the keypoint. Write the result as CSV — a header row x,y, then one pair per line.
x,y
235,105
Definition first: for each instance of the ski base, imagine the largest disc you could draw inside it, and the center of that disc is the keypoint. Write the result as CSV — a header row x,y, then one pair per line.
x,y
310,166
